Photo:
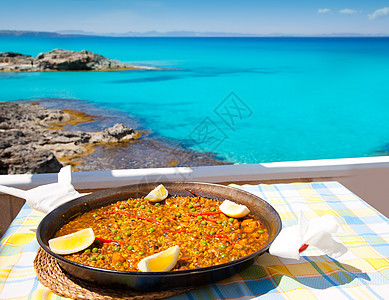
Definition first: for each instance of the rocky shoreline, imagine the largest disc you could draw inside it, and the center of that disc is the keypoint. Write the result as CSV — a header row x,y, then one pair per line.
x,y
34,139
31,140
64,60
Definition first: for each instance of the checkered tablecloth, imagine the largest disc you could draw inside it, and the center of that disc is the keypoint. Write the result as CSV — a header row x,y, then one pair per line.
x,y
363,272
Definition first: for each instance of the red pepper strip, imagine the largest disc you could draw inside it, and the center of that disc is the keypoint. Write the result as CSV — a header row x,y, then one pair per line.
x,y
205,213
303,247
208,219
190,191
223,236
123,213
146,219
176,231
108,241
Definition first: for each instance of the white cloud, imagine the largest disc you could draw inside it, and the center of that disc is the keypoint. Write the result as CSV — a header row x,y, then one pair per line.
x,y
382,12
348,11
324,10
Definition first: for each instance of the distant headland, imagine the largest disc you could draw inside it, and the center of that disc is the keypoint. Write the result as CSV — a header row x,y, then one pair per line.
x,y
177,33
64,60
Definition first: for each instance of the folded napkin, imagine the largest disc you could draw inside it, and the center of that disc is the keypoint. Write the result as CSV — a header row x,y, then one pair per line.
x,y
47,197
317,232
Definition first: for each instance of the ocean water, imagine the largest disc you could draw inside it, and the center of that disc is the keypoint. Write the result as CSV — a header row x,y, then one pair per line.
x,y
249,100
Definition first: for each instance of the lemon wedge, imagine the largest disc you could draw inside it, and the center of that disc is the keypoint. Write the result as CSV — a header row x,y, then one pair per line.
x,y
157,194
160,262
233,209
73,242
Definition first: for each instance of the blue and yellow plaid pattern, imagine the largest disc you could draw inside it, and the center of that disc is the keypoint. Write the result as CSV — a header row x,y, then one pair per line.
x,y
362,273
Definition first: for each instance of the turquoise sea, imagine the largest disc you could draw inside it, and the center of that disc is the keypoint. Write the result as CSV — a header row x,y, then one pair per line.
x,y
249,100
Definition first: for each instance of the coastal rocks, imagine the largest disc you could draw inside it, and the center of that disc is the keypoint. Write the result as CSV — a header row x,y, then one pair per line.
x,y
14,58
28,144
20,160
114,134
11,61
63,60
17,115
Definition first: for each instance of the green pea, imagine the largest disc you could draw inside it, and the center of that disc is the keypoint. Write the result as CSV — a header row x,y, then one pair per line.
x,y
200,217
231,220
260,231
148,210
193,209
222,246
218,222
223,255
152,229
203,242
93,258
224,223
203,222
142,206
178,215
136,205
94,215
131,247
118,238
114,230
121,206
117,248
197,252
190,205
102,257
87,251
212,232
94,250
141,253
213,209
157,204
128,234
128,228
118,264
158,218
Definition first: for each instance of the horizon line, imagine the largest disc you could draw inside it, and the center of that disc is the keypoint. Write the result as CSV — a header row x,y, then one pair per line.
x,y
179,33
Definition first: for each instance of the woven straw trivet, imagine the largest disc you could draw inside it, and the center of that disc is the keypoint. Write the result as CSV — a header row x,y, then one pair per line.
x,y
53,277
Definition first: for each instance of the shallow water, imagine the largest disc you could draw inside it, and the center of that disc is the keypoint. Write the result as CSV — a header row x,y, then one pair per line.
x,y
247,99
149,151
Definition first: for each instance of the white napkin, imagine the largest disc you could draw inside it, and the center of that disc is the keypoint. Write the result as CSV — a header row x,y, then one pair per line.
x,y
316,232
47,197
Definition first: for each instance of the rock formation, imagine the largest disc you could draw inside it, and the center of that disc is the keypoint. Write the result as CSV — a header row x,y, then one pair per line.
x,y
28,144
63,60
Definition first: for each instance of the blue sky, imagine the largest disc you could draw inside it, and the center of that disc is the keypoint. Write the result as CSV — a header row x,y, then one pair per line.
x,y
244,16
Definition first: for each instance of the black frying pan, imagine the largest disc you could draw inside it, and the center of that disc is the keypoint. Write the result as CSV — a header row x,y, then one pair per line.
x,y
155,281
